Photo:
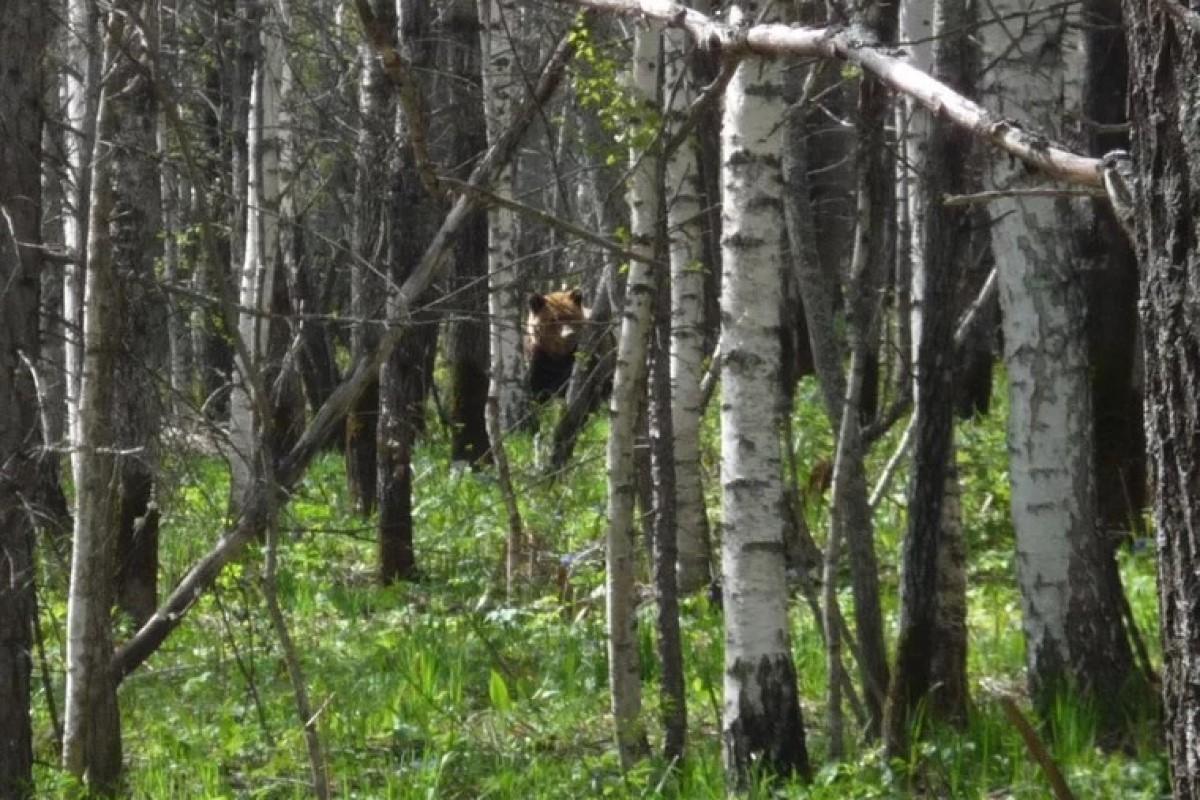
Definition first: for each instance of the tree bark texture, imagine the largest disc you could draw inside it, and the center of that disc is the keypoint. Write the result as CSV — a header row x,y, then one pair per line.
x,y
1073,630
1165,63
92,726
665,527
761,724
1111,282
139,324
467,331
24,31
251,417
375,109
629,386
685,219
499,23
80,89
406,375
928,631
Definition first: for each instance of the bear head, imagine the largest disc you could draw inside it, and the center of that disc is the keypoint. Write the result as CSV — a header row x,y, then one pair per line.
x,y
551,338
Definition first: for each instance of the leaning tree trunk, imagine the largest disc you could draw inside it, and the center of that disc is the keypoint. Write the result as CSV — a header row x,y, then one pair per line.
x,y
761,725
1073,630
933,585
24,29
92,725
629,382
498,22
1164,50
685,224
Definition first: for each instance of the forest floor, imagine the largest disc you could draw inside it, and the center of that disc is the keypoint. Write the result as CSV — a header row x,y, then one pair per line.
x,y
441,688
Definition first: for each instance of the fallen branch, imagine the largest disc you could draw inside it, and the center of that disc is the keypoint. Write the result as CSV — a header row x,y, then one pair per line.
x,y
257,508
1033,743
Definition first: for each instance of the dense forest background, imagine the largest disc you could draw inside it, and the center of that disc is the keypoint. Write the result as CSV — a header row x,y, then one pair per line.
x,y
495,398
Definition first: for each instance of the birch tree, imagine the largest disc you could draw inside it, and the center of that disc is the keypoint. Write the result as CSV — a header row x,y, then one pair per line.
x,y
685,231
761,724
498,19
80,86
92,726
1073,631
375,111
250,403
931,645
24,33
629,384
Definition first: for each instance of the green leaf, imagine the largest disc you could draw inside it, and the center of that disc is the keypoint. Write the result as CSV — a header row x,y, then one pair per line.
x,y
498,693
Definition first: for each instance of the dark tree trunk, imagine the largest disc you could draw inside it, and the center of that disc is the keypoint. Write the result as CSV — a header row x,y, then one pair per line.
x,y
406,376
673,697
1111,285
467,331
315,360
370,249
140,323
976,355
1165,91
947,243
24,27
404,382
214,356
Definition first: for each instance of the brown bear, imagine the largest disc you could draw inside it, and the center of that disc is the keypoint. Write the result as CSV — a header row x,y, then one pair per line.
x,y
552,332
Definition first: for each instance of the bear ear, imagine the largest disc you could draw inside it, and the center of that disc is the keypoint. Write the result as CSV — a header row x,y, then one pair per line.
x,y
577,297
537,302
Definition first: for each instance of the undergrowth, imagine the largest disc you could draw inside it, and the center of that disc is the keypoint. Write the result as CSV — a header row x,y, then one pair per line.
x,y
441,688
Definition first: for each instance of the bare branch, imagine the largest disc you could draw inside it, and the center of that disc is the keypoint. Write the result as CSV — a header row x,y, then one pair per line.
x,y
856,47
1000,194
566,226
258,506
400,72
1182,13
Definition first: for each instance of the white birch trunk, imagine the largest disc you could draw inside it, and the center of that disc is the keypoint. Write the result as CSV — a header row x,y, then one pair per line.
x,y
501,88
91,747
261,263
629,387
761,724
684,224
178,339
916,30
79,96
1072,632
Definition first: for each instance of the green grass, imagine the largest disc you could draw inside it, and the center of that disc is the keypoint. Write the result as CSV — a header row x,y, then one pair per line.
x,y
441,689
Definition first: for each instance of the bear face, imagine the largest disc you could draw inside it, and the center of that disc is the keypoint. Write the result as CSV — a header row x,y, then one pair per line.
x,y
551,338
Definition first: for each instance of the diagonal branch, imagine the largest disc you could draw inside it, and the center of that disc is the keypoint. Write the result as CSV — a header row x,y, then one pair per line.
x,y
1182,13
260,501
400,73
857,47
